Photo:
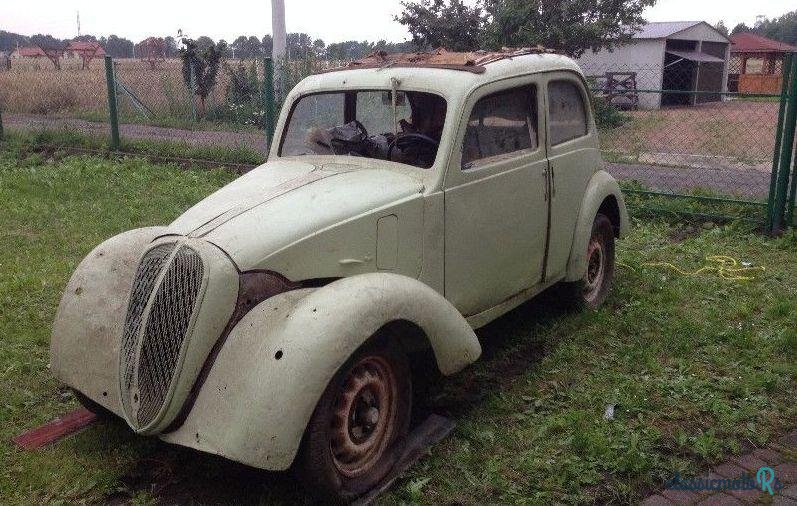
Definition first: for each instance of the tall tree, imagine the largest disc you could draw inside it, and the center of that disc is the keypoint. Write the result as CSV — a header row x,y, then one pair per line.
x,y
783,28
171,46
300,46
267,43
241,47
118,47
443,23
568,26
720,26
740,28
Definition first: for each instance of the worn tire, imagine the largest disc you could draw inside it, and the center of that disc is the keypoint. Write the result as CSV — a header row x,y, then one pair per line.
x,y
325,464
591,291
91,405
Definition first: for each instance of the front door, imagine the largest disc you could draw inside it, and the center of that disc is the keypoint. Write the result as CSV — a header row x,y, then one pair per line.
x,y
496,209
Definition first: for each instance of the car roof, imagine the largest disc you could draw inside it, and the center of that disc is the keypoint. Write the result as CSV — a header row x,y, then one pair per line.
x,y
450,81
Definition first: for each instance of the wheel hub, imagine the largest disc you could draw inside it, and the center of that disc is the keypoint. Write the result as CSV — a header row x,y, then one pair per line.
x,y
363,420
595,267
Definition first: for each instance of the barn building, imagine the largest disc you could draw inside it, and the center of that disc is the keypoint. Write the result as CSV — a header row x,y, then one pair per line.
x,y
679,56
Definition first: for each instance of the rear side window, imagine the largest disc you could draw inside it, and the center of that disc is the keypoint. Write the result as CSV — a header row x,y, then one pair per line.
x,y
501,124
567,115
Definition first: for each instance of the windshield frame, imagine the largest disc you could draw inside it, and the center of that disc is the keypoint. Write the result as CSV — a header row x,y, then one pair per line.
x,y
350,112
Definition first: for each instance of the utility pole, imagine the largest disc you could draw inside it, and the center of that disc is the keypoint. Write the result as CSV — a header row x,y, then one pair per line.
x,y
280,44
78,23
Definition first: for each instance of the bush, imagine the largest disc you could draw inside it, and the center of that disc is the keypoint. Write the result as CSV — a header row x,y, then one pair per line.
x,y
607,115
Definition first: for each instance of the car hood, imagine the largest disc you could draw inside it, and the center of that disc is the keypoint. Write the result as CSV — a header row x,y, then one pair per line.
x,y
283,201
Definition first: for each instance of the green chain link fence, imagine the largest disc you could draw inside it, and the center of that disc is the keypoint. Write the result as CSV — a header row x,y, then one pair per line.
x,y
677,141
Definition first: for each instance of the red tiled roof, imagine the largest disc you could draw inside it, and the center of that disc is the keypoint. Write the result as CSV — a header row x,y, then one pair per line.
x,y
751,43
30,52
85,46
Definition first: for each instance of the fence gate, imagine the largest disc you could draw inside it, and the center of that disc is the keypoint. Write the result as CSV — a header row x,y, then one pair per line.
x,y
681,145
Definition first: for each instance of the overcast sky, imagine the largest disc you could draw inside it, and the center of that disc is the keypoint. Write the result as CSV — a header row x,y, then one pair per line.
x,y
329,20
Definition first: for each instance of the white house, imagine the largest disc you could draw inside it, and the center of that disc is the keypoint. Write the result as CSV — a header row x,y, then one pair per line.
x,y
682,56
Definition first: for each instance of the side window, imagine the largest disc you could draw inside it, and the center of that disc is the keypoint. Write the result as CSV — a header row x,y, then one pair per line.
x,y
501,124
567,115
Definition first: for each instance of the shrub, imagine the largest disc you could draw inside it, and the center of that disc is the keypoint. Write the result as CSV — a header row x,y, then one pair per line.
x,y
607,115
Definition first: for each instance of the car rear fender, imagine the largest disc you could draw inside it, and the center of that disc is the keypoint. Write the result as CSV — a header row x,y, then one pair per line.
x,y
262,388
600,190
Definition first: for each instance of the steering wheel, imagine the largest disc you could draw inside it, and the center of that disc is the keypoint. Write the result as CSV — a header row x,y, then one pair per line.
x,y
408,141
348,146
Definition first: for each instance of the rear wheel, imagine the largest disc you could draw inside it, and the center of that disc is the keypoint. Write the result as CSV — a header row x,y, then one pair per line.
x,y
591,291
352,439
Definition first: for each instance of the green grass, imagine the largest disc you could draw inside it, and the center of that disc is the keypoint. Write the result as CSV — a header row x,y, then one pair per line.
x,y
63,139
160,120
699,368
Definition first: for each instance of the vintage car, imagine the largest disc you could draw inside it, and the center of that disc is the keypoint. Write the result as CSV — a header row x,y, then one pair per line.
x,y
406,202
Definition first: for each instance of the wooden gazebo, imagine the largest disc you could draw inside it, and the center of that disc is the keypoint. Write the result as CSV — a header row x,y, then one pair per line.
x,y
756,63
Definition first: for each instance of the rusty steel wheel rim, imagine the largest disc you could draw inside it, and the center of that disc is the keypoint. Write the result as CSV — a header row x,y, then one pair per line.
x,y
364,416
596,268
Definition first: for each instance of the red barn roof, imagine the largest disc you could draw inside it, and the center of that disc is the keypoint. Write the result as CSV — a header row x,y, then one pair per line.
x,y
751,43
30,52
88,47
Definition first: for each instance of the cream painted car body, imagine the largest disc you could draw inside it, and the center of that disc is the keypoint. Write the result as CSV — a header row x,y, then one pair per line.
x,y
359,245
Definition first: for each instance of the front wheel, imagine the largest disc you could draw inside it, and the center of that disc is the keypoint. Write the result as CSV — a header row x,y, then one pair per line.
x,y
591,291
352,439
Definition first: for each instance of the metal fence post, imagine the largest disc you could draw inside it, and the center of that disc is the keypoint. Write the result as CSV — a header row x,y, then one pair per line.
x,y
268,99
1,125
773,182
786,151
110,77
193,90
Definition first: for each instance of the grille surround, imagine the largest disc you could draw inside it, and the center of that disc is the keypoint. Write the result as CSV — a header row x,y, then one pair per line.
x,y
165,298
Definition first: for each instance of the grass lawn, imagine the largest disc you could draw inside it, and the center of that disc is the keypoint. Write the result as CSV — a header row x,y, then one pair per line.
x,y
698,367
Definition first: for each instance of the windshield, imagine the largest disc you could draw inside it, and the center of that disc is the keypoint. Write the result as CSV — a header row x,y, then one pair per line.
x,y
367,123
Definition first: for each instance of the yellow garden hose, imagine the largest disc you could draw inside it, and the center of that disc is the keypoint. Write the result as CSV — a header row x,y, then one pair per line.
x,y
724,266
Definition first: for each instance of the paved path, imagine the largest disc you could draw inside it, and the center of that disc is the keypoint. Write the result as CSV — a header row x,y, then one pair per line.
x,y
780,456
748,183
33,122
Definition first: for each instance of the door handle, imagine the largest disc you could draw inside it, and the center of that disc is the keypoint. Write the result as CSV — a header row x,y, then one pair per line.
x,y
546,184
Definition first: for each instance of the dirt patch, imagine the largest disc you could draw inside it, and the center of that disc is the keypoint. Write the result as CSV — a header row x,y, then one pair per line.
x,y
734,134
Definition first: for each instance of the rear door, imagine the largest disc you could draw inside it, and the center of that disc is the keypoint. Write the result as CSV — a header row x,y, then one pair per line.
x,y
573,155
496,210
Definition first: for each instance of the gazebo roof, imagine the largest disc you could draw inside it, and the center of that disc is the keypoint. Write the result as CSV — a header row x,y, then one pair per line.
x,y
753,43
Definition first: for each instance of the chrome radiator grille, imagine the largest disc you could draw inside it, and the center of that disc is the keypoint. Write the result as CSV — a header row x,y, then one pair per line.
x,y
152,342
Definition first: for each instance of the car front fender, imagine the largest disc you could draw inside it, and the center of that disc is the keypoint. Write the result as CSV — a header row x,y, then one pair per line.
x,y
262,388
601,187
84,348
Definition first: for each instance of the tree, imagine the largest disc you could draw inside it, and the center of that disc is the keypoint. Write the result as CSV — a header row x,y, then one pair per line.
x,y
204,42
570,26
443,23
171,46
740,28
783,28
200,68
267,43
720,26
118,47
241,47
299,46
